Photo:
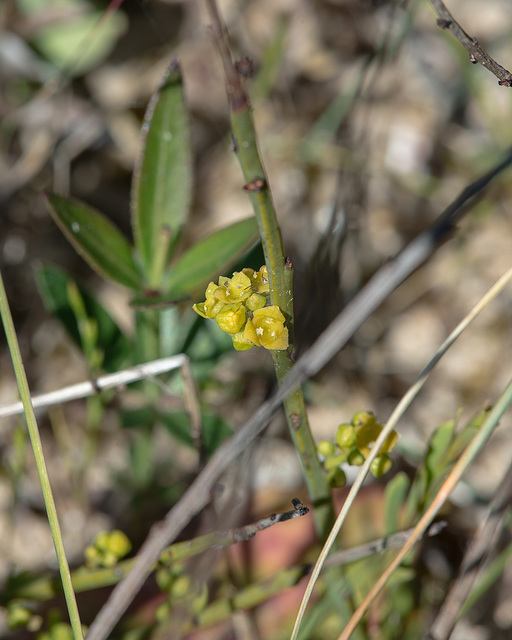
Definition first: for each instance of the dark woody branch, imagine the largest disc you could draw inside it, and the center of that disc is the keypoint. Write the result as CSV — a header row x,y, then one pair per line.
x,y
476,53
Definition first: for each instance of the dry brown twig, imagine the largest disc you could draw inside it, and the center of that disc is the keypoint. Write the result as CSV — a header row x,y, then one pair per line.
x,y
476,53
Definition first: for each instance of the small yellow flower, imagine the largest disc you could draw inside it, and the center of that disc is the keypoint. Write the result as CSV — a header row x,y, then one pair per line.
x,y
269,327
235,289
259,279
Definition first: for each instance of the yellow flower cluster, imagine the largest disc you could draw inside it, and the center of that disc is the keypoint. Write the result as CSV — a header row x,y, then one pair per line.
x,y
352,444
108,548
238,305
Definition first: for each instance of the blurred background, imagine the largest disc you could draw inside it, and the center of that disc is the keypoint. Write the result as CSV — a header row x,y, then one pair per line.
x,y
371,121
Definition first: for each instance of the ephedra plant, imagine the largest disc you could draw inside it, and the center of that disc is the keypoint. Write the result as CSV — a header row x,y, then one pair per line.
x,y
237,280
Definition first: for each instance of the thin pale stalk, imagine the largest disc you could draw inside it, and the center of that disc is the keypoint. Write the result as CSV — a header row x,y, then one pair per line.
x,y
143,371
37,447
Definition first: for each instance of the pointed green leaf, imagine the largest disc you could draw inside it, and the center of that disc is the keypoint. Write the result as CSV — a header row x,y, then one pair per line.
x,y
210,257
96,239
395,495
162,186
439,443
52,284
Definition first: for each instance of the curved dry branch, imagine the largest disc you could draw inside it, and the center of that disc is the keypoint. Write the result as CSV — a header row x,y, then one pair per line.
x,y
476,53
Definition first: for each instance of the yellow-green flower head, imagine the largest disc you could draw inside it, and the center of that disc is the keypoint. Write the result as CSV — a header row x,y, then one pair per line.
x,y
231,318
238,306
266,329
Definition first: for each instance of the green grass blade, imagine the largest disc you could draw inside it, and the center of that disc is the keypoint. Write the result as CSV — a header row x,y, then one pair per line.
x,y
42,470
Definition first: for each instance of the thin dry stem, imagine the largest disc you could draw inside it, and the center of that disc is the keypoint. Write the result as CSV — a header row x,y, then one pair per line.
x,y
92,387
476,52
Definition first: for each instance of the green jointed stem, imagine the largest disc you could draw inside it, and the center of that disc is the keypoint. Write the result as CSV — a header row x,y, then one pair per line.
x,y
280,276
44,479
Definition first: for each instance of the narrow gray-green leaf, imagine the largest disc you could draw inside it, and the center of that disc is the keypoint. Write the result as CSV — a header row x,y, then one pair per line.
x,y
162,186
96,239
209,257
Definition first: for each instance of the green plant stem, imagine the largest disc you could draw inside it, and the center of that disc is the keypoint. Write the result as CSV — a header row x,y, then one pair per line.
x,y
44,479
280,281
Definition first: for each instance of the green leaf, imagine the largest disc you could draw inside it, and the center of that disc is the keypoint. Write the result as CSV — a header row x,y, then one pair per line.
x,y
96,239
395,495
162,186
438,446
209,257
52,284
81,42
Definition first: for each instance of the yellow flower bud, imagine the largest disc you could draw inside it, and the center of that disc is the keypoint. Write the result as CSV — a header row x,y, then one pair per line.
x,y
346,435
336,478
240,343
381,465
181,587
255,301
101,541
92,556
355,458
231,318
325,448
210,308
119,544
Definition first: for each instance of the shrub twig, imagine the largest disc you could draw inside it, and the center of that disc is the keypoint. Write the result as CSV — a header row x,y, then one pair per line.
x,y
476,53
279,268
